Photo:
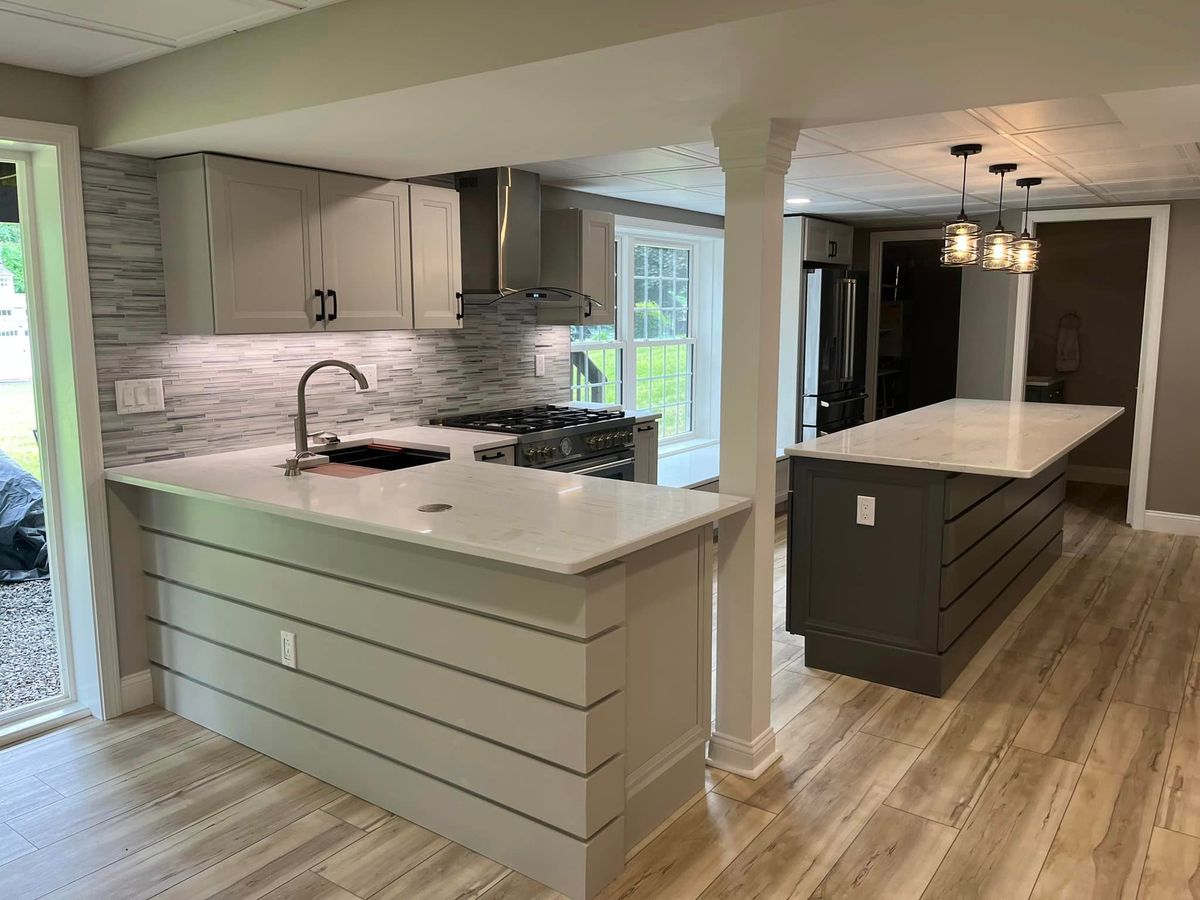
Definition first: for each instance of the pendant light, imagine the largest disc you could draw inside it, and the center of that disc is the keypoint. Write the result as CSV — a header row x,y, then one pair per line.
x,y
961,244
997,251
1026,250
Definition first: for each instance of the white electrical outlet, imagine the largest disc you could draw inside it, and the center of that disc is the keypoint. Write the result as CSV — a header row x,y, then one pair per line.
x,y
371,373
865,511
287,649
539,364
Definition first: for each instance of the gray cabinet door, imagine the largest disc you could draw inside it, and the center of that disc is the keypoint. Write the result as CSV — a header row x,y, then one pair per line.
x,y
579,252
436,257
598,265
367,253
645,450
265,234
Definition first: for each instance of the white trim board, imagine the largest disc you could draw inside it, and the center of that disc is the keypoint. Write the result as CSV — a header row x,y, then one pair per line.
x,y
1170,523
1156,267
137,690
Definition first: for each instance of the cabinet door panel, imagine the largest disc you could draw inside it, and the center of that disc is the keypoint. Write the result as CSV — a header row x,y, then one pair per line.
x,y
366,252
436,259
598,266
266,246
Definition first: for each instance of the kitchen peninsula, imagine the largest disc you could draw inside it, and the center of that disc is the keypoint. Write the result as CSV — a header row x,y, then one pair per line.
x,y
911,538
519,660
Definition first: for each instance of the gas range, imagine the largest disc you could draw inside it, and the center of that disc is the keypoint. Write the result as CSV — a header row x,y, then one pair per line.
x,y
586,441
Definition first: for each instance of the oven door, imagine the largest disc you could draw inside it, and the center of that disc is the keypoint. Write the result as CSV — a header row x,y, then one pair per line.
x,y
618,466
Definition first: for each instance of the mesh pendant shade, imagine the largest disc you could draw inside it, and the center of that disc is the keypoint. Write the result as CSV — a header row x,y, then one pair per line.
x,y
961,244
996,254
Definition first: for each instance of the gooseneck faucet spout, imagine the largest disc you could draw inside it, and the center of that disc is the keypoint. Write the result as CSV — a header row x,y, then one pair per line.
x,y
301,409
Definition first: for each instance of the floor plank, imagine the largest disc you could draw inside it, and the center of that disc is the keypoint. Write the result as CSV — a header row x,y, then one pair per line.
x,y
25,795
1004,841
794,853
81,811
12,845
49,868
271,862
1123,598
515,886
1066,717
790,693
1172,867
359,813
894,856
309,886
1157,670
954,769
454,871
691,852
1101,845
1182,578
808,742
381,857
1179,806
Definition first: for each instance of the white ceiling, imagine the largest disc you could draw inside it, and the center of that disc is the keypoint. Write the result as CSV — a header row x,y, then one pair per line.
x,y
86,37
899,171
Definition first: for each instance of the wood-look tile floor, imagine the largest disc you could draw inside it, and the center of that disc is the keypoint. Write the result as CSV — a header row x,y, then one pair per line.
x,y
1064,762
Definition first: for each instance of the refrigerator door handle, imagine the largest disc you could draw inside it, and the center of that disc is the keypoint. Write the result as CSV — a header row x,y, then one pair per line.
x,y
848,326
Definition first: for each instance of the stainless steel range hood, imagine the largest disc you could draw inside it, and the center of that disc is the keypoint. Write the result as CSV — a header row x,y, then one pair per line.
x,y
501,215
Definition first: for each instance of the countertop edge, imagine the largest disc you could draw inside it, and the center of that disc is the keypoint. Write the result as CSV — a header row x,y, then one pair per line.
x,y
510,558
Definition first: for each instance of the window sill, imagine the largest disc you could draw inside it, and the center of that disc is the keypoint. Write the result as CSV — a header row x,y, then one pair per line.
x,y
692,467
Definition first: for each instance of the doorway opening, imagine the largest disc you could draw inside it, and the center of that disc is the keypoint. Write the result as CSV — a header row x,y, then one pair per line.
x,y
33,673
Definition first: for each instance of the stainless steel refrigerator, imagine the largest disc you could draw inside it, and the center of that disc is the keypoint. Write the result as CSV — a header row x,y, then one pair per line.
x,y
832,390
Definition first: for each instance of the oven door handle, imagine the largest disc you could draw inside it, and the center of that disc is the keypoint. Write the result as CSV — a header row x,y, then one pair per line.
x,y
607,463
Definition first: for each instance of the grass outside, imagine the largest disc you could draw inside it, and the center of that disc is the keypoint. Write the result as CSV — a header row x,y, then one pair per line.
x,y
17,423
664,382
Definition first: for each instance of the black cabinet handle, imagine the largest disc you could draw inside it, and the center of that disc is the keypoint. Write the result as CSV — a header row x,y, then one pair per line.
x,y
459,297
333,296
485,458
320,317
645,428
832,249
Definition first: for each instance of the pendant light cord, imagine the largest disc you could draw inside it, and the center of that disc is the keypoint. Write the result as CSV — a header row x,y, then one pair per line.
x,y
962,203
1025,217
1000,214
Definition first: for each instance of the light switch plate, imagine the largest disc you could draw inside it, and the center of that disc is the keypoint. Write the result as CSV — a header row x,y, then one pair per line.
x,y
539,364
287,649
371,373
139,395
864,511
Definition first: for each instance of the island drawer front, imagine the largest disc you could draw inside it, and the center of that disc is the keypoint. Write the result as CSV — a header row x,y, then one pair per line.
x,y
573,671
578,804
960,574
964,490
577,739
575,867
973,524
580,606
980,595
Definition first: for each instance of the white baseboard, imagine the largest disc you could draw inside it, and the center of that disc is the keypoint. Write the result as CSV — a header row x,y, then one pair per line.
x,y
137,691
1098,474
1171,523
731,754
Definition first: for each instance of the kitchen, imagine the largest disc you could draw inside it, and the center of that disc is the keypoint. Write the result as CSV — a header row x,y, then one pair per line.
x,y
356,531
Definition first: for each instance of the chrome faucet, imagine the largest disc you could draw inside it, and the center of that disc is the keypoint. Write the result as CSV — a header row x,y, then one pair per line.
x,y
293,465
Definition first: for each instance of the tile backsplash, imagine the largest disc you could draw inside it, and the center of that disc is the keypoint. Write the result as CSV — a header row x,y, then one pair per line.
x,y
223,393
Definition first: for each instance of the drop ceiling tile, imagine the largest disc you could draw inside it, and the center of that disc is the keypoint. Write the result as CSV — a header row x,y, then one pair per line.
x,y
680,199
920,157
637,161
174,20
831,165
860,183
1134,172
704,150
1088,137
808,144
845,206
1153,195
1063,113
38,44
702,177
896,132
1164,185
1084,160
797,191
558,170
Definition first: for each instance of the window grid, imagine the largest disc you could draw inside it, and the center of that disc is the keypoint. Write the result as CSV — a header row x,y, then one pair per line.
x,y
596,373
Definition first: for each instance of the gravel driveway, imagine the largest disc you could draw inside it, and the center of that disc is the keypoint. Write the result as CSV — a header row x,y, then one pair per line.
x,y
28,644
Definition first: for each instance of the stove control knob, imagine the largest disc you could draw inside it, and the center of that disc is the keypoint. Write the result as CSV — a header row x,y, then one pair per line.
x,y
530,453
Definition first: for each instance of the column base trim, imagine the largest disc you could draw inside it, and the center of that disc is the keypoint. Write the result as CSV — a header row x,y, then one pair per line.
x,y
730,754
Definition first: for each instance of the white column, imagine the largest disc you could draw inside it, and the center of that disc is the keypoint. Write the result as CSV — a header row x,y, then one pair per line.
x,y
755,159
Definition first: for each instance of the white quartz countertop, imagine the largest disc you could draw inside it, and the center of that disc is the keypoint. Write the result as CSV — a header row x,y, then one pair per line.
x,y
545,520
984,437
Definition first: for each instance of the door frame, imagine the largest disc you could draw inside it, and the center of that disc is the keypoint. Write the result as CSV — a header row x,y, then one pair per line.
x,y
1159,216
64,354
875,281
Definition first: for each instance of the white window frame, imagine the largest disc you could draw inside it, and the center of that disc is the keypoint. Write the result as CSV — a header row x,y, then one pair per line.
x,y
704,301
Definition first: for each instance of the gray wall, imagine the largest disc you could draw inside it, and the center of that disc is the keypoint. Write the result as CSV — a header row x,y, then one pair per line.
x,y
1097,270
1175,453
44,97
986,322
226,392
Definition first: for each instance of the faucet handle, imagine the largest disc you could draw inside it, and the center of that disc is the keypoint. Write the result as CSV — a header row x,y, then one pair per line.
x,y
324,438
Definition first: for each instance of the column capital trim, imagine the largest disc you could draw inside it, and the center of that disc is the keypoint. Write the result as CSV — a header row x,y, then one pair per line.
x,y
766,144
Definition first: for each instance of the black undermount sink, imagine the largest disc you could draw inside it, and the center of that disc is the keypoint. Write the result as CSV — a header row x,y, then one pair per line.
x,y
376,456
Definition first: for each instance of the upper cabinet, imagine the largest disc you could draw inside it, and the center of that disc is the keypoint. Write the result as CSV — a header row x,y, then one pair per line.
x,y
436,257
828,243
252,247
579,252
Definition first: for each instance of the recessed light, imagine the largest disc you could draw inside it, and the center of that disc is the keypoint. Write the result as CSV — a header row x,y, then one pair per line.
x,y
799,200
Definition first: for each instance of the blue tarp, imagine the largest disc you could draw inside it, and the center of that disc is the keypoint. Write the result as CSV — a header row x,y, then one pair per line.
x,y
23,554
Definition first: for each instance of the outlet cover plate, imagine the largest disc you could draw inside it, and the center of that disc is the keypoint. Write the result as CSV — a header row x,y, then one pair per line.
x,y
139,395
371,373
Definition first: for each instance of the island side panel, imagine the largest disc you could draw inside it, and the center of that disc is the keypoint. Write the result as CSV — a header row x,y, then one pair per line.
x,y
907,602
483,701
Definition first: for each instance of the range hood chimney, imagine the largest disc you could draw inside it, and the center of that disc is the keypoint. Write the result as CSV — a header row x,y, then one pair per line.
x,y
501,215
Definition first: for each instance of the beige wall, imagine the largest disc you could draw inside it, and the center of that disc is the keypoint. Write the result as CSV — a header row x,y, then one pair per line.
x,y
561,198
986,322
1175,453
1098,271
43,97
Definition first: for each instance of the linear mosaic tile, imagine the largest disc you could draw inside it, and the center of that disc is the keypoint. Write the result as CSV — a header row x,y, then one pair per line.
x,y
223,393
